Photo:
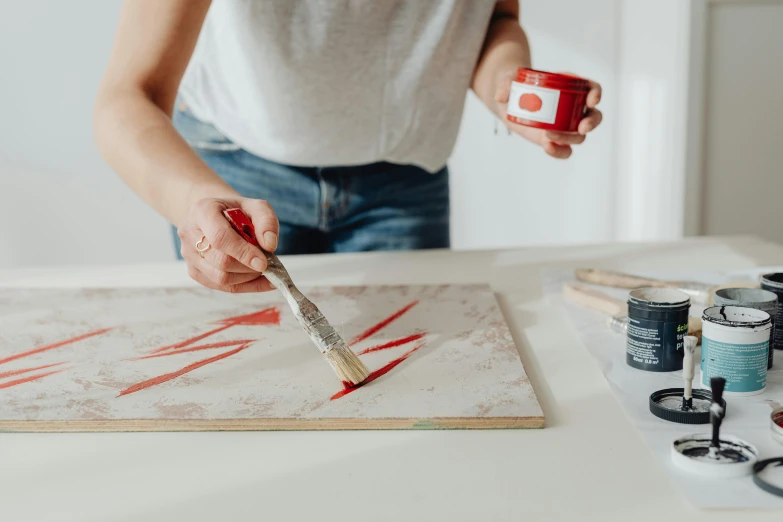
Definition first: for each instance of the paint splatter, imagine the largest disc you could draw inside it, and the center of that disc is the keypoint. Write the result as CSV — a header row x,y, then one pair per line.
x,y
53,346
377,373
383,324
3,375
222,344
530,102
27,379
173,375
393,344
265,317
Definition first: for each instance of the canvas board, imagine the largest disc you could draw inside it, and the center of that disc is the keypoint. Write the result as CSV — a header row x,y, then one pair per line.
x,y
194,359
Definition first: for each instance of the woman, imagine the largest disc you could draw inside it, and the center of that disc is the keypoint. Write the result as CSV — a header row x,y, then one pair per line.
x,y
328,122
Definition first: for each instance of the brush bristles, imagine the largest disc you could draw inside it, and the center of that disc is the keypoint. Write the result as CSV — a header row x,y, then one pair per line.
x,y
348,367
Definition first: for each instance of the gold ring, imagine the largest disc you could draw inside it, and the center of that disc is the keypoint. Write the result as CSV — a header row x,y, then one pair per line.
x,y
202,250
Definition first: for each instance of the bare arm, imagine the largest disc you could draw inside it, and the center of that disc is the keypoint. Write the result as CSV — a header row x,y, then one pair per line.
x,y
154,43
505,50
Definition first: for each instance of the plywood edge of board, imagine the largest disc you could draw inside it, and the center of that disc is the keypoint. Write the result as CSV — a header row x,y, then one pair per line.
x,y
132,425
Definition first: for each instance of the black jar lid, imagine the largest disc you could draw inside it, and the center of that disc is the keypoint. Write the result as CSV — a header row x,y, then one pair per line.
x,y
657,408
758,479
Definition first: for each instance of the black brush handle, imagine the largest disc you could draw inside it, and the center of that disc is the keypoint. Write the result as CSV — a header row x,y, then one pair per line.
x,y
716,410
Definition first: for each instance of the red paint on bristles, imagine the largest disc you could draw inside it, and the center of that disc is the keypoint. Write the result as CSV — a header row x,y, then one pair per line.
x,y
380,372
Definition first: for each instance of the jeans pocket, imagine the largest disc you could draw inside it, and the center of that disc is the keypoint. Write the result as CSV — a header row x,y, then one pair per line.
x,y
200,135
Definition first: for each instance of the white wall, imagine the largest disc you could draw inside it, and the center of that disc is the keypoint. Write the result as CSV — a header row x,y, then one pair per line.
x,y
59,202
743,170
506,191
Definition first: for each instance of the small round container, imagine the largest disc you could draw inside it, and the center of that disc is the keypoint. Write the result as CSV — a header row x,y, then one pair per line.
x,y
750,298
736,458
774,283
547,100
735,346
657,325
776,420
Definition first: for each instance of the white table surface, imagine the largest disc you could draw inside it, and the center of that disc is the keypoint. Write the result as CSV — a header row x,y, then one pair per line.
x,y
588,463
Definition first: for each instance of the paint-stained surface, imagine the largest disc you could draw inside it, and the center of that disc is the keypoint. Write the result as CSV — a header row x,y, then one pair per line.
x,y
439,355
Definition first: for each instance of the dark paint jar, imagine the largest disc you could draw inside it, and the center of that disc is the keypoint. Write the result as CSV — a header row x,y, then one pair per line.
x,y
657,326
548,101
774,283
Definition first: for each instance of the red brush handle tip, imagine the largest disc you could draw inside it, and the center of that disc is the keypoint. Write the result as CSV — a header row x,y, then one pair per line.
x,y
242,225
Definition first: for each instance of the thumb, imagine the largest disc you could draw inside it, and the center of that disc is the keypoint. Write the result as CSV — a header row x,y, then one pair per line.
x,y
264,221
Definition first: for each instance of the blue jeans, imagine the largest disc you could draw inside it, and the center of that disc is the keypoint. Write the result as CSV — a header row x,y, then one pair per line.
x,y
381,206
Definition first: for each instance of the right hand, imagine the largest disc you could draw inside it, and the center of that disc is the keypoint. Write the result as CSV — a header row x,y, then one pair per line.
x,y
231,264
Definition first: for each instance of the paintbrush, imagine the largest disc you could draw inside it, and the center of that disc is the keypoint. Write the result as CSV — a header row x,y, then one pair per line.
x,y
716,413
702,293
689,343
615,308
348,367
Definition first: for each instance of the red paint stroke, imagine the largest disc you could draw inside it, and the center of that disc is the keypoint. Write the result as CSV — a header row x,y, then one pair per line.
x,y
173,375
53,346
192,340
380,372
267,316
28,379
392,344
200,347
383,324
3,375
530,102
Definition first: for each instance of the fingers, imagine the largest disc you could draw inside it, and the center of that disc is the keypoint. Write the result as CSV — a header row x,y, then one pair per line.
x,y
565,138
503,86
259,284
222,278
591,120
594,96
264,221
222,237
557,151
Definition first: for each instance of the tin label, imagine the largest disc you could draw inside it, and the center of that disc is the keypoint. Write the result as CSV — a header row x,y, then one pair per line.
x,y
655,345
533,103
744,366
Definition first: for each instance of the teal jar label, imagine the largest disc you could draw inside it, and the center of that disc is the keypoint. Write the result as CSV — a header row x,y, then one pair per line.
x,y
744,366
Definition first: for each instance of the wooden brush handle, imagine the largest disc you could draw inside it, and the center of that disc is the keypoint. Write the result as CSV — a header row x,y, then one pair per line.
x,y
618,279
601,302
593,299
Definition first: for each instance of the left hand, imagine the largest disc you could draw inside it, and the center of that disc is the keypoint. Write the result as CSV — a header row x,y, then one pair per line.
x,y
556,144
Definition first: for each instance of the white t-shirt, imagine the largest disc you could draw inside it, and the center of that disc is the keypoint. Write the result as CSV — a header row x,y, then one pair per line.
x,y
338,82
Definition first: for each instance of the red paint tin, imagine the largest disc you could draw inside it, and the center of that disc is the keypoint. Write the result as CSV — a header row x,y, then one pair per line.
x,y
547,100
